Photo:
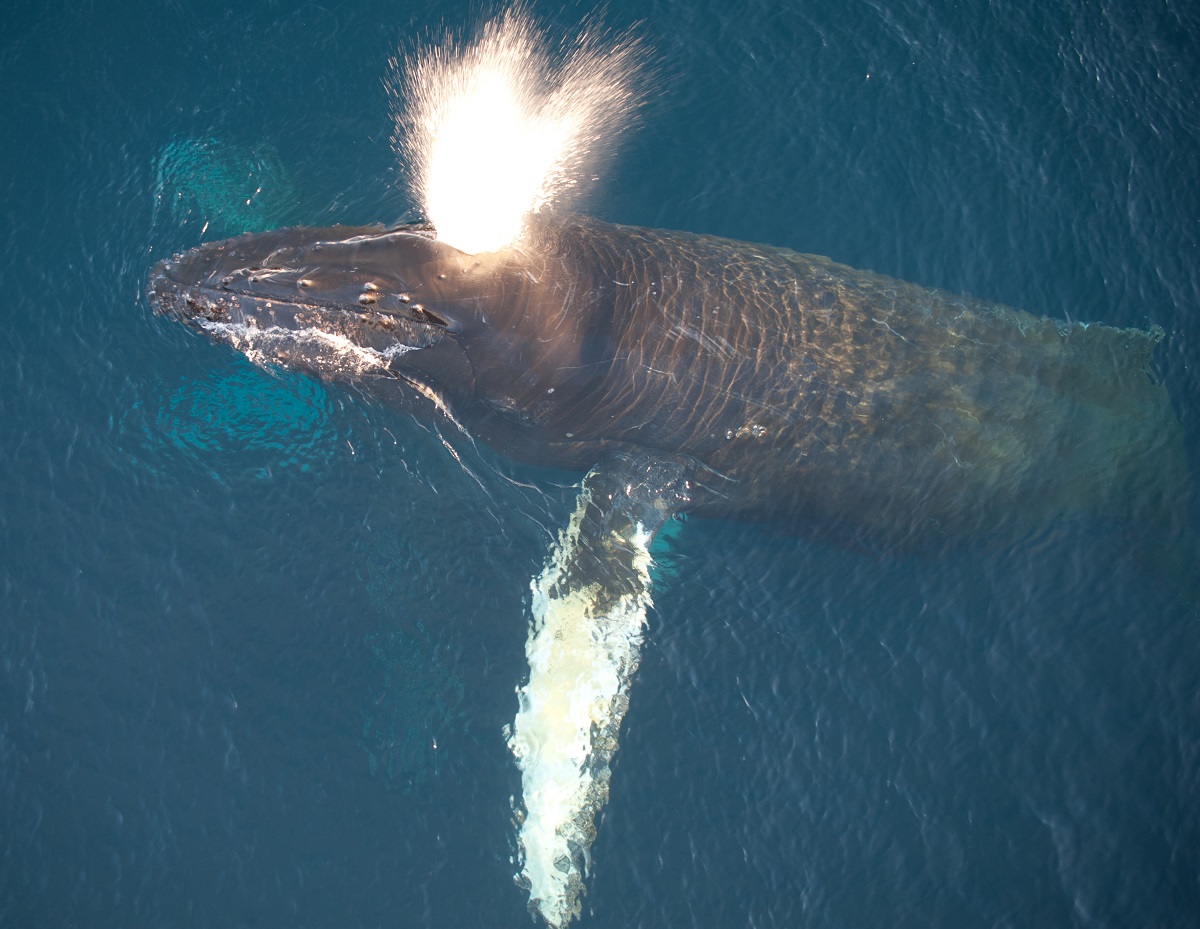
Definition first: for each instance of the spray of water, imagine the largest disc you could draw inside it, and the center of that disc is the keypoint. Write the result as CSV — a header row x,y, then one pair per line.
x,y
510,124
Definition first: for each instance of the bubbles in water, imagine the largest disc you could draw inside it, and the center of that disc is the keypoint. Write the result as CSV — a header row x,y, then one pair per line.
x,y
510,125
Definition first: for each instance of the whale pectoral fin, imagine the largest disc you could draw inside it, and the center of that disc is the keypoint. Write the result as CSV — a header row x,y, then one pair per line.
x,y
628,497
589,610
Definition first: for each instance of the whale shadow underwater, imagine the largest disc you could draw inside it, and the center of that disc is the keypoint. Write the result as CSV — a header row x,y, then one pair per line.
x,y
688,374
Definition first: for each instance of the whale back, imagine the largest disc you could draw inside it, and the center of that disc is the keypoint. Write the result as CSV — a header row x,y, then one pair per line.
x,y
844,403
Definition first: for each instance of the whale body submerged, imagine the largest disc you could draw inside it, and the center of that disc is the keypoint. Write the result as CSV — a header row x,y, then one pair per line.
x,y
691,374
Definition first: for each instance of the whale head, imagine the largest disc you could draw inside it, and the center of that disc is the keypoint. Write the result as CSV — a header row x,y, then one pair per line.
x,y
500,340
338,299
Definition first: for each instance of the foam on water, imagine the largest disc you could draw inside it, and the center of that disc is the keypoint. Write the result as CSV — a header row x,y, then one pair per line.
x,y
497,129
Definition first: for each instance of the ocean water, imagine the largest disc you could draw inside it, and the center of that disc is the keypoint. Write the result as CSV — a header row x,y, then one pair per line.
x,y
260,635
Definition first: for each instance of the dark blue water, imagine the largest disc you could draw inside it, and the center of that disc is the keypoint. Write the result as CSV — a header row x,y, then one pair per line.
x,y
260,635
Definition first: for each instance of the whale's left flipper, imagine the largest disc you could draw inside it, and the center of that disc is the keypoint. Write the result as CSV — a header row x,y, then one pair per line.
x,y
589,610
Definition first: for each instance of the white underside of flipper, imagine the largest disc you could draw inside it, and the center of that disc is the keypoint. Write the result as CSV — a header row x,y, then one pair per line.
x,y
584,645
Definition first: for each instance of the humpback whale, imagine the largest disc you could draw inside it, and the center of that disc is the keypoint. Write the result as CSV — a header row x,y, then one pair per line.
x,y
835,402
688,374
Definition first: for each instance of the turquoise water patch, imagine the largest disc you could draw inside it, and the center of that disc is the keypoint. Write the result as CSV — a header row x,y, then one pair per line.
x,y
664,566
225,188
246,421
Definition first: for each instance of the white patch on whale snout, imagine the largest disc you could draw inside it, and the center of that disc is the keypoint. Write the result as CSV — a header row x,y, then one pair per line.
x,y
583,648
313,349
